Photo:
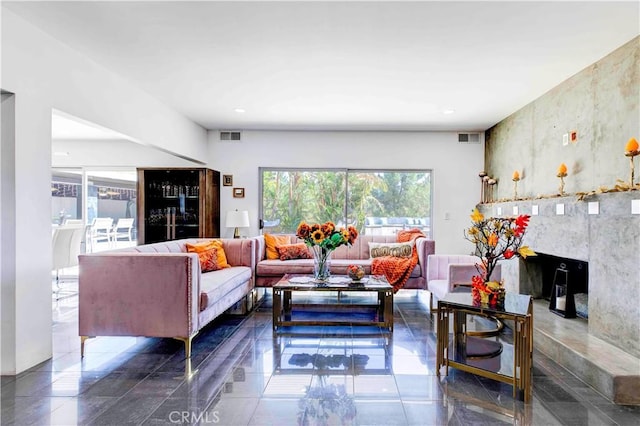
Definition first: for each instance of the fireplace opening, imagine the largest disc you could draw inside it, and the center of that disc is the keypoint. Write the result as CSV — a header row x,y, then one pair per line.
x,y
564,282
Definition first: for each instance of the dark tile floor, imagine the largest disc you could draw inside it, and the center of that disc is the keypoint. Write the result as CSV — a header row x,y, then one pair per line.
x,y
240,374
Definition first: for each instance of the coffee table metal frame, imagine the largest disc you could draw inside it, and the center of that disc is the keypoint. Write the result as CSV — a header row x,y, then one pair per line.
x,y
458,307
283,306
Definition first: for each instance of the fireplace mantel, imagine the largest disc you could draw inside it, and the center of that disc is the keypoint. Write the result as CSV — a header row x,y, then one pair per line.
x,y
608,240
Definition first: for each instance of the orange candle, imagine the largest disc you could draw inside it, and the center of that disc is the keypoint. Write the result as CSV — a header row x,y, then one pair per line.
x,y
562,170
632,145
516,175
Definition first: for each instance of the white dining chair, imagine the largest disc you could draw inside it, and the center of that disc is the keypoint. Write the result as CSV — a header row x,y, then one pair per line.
x,y
122,229
101,230
66,247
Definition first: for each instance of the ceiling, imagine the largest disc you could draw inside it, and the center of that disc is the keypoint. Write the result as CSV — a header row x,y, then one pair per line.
x,y
341,65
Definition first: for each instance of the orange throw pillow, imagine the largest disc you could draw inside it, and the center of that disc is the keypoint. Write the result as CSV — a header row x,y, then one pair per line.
x,y
208,245
271,242
209,260
294,251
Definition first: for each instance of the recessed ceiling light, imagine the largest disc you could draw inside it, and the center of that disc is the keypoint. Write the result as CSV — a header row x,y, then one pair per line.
x,y
60,153
448,111
240,110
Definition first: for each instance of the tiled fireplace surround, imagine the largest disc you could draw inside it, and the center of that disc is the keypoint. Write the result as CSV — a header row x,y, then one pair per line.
x,y
610,242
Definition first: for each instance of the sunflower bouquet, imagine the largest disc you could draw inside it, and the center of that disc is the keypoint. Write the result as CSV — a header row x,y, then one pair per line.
x,y
323,239
495,239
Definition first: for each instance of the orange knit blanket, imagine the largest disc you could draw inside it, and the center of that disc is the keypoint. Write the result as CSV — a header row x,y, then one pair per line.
x,y
397,270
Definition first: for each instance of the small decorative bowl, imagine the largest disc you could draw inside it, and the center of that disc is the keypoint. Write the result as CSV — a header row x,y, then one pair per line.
x,y
355,272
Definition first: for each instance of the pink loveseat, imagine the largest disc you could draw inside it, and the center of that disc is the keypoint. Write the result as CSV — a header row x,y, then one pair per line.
x,y
269,272
157,290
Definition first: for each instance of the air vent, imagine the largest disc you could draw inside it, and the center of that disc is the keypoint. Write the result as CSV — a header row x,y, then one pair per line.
x,y
469,137
228,135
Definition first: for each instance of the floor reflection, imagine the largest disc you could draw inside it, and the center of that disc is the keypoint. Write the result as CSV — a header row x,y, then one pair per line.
x,y
241,374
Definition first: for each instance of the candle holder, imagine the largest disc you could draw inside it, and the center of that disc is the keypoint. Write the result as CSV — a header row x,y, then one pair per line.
x,y
485,188
631,155
482,175
491,182
562,175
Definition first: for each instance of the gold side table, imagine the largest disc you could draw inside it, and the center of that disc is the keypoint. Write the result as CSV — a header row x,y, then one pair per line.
x,y
503,358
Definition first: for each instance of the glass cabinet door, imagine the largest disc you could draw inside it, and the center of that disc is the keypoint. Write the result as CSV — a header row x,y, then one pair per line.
x,y
178,203
172,204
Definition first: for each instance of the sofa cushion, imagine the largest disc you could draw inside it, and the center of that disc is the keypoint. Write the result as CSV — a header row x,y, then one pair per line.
x,y
271,242
439,288
360,248
209,260
391,249
293,251
339,266
214,285
208,245
274,268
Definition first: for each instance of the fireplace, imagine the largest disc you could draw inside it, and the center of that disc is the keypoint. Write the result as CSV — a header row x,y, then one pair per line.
x,y
563,281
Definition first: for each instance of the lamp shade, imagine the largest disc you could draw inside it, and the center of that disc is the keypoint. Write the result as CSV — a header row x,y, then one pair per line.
x,y
237,219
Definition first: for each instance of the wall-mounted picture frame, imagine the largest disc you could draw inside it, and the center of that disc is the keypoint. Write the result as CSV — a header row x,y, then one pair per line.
x,y
227,180
238,192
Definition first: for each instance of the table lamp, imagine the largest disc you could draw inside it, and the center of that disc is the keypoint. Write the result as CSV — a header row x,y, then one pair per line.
x,y
237,219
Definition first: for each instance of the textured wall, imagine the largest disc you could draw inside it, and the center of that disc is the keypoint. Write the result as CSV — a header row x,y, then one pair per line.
x,y
609,241
601,103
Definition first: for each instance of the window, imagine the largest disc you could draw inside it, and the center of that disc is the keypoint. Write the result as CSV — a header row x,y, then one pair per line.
x,y
375,201
108,194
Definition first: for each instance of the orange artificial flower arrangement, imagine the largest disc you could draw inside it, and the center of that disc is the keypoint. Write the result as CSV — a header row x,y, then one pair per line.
x,y
495,239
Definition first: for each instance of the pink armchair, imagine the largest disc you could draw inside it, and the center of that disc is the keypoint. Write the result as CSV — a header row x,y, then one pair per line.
x,y
446,273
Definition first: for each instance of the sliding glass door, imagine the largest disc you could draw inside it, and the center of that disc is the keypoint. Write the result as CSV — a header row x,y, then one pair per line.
x,y
375,201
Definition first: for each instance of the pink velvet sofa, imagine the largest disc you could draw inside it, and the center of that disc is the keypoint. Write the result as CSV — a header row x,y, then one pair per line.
x,y
158,290
269,272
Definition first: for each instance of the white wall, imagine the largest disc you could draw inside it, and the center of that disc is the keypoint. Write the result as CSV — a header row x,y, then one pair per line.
x,y
7,229
113,153
455,166
45,74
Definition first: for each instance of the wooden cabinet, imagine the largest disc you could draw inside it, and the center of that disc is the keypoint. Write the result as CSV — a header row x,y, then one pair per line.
x,y
178,203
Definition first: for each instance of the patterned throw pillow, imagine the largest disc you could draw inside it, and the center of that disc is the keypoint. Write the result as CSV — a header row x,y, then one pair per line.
x,y
209,260
208,245
293,251
391,249
272,241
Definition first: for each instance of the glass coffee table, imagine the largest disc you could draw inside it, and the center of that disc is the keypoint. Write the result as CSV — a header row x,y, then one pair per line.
x,y
332,308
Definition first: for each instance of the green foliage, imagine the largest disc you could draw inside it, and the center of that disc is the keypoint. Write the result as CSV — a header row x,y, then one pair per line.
x,y
293,196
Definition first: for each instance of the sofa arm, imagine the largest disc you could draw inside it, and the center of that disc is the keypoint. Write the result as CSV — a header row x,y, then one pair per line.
x,y
139,294
260,248
240,252
424,248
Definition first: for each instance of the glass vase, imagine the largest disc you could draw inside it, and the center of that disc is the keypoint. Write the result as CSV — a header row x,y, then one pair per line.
x,y
321,263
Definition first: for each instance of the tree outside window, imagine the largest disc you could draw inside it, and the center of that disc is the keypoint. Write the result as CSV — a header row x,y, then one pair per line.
x,y
376,202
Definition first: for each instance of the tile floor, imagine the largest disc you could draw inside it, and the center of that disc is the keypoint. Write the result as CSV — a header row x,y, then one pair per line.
x,y
240,374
